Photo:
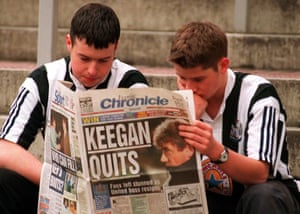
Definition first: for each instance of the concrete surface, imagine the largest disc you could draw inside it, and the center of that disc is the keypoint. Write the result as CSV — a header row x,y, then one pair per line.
x,y
288,89
271,40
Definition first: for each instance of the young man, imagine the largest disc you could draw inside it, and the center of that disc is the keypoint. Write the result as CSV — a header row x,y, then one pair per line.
x,y
92,45
176,154
240,127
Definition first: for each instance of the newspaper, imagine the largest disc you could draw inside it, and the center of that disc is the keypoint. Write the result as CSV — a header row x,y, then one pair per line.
x,y
100,157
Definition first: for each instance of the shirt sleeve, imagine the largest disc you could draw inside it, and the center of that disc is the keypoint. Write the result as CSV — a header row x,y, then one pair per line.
x,y
26,116
265,128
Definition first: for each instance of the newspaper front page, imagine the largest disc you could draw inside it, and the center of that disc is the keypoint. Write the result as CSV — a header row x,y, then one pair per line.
x,y
101,157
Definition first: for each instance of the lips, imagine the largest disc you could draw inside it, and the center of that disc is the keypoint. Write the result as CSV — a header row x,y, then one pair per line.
x,y
89,82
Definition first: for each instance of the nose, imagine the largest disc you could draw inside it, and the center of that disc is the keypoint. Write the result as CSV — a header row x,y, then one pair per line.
x,y
189,84
163,158
92,68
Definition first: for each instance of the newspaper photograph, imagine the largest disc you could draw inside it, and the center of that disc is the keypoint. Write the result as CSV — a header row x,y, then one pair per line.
x,y
119,151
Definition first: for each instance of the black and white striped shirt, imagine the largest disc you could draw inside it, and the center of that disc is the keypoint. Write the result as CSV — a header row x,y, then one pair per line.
x,y
259,131
28,113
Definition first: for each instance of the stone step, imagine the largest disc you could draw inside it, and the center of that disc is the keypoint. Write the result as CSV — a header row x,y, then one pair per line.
x,y
267,17
270,38
256,51
293,136
287,84
270,41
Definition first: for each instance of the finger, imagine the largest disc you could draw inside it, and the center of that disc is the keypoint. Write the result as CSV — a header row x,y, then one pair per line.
x,y
197,145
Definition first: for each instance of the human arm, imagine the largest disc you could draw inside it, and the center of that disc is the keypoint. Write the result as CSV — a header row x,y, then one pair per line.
x,y
128,78
260,128
239,167
200,105
19,131
16,158
26,116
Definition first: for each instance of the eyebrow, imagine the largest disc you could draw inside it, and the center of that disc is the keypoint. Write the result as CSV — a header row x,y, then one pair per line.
x,y
104,58
191,78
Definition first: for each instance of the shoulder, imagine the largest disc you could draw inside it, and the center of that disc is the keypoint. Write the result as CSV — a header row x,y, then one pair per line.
x,y
260,86
118,65
125,76
248,79
254,85
257,90
44,76
58,69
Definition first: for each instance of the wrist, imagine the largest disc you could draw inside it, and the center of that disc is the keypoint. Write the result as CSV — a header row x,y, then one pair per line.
x,y
218,148
222,156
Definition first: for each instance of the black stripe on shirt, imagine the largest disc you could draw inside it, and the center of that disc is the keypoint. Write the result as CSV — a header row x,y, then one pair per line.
x,y
132,77
40,77
267,133
266,90
14,112
30,130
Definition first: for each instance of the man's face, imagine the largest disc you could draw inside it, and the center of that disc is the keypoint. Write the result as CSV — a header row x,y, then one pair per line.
x,y
172,156
203,83
89,65
208,84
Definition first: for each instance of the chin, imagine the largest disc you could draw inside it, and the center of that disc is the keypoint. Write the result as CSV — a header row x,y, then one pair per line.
x,y
90,85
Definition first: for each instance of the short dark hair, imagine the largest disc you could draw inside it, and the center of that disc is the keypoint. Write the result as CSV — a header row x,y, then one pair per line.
x,y
167,132
96,23
198,44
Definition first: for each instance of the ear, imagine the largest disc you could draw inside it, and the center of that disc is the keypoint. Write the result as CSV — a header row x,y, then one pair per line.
x,y
117,45
223,64
189,150
68,42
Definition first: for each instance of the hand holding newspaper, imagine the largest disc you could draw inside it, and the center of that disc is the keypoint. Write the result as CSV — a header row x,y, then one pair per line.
x,y
105,153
